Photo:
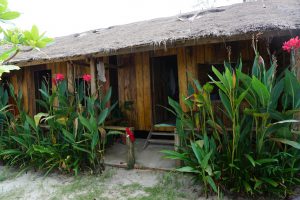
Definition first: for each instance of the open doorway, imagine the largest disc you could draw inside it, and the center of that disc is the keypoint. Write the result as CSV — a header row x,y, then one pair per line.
x,y
40,77
164,77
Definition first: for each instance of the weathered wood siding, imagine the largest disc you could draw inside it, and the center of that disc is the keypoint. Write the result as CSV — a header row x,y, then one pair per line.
x,y
134,77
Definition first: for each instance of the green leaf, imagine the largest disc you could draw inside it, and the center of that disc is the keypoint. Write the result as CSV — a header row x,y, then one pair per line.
x,y
197,152
35,32
3,5
103,116
241,97
85,123
257,184
205,160
187,169
212,183
288,142
31,122
266,160
95,140
226,103
261,91
9,15
269,181
250,159
68,135
106,98
174,155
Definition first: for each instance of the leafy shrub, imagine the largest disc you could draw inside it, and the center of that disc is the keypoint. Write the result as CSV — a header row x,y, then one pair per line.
x,y
68,137
258,151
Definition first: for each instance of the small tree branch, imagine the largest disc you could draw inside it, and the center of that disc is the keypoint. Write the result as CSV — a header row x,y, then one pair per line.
x,y
16,53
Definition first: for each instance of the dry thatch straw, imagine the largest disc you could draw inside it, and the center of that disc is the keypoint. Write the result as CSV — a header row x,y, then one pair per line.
x,y
224,22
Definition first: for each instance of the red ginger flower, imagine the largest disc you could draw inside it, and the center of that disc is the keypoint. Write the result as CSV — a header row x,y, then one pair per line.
x,y
58,78
130,134
292,44
87,77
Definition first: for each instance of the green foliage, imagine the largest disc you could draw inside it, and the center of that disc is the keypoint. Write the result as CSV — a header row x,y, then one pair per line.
x,y
68,137
257,151
16,40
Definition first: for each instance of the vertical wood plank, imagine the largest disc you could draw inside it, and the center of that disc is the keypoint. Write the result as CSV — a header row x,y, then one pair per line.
x,y
182,75
147,92
200,54
24,80
208,55
93,76
70,77
139,91
191,64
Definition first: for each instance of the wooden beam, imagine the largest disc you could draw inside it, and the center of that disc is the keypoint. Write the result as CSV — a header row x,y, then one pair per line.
x,y
70,75
182,76
93,75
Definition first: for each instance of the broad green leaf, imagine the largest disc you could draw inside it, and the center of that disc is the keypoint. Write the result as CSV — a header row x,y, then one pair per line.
x,y
226,103
197,152
247,187
250,159
85,123
103,116
269,181
212,183
9,15
95,140
187,169
35,32
3,5
288,142
68,135
261,91
106,98
266,160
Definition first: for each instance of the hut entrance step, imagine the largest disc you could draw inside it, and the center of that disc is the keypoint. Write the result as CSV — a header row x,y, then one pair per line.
x,y
160,137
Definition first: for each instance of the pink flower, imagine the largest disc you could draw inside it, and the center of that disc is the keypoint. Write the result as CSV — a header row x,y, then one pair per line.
x,y
58,78
130,134
292,44
87,77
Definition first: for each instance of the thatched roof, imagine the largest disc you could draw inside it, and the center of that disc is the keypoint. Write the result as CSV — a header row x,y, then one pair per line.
x,y
238,19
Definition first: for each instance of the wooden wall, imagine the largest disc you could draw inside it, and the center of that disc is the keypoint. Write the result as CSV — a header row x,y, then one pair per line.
x,y
24,79
134,77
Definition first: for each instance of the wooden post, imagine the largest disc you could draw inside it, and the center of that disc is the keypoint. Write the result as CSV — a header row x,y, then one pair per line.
x,y
130,153
70,74
177,145
93,76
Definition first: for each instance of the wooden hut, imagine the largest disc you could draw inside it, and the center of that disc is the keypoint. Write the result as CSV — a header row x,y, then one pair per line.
x,y
147,61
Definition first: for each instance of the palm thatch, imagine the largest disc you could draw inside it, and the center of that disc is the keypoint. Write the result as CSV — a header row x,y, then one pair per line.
x,y
222,22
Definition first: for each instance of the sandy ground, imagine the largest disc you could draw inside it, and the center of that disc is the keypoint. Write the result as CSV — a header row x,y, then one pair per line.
x,y
112,184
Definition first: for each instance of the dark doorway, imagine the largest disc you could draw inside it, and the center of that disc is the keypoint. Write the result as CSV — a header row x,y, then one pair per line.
x,y
164,77
43,76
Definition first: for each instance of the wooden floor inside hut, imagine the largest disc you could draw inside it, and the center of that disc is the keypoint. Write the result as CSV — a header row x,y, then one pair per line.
x,y
149,158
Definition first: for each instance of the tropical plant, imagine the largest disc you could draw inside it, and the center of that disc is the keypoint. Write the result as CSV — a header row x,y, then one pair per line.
x,y
258,150
68,136
15,40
